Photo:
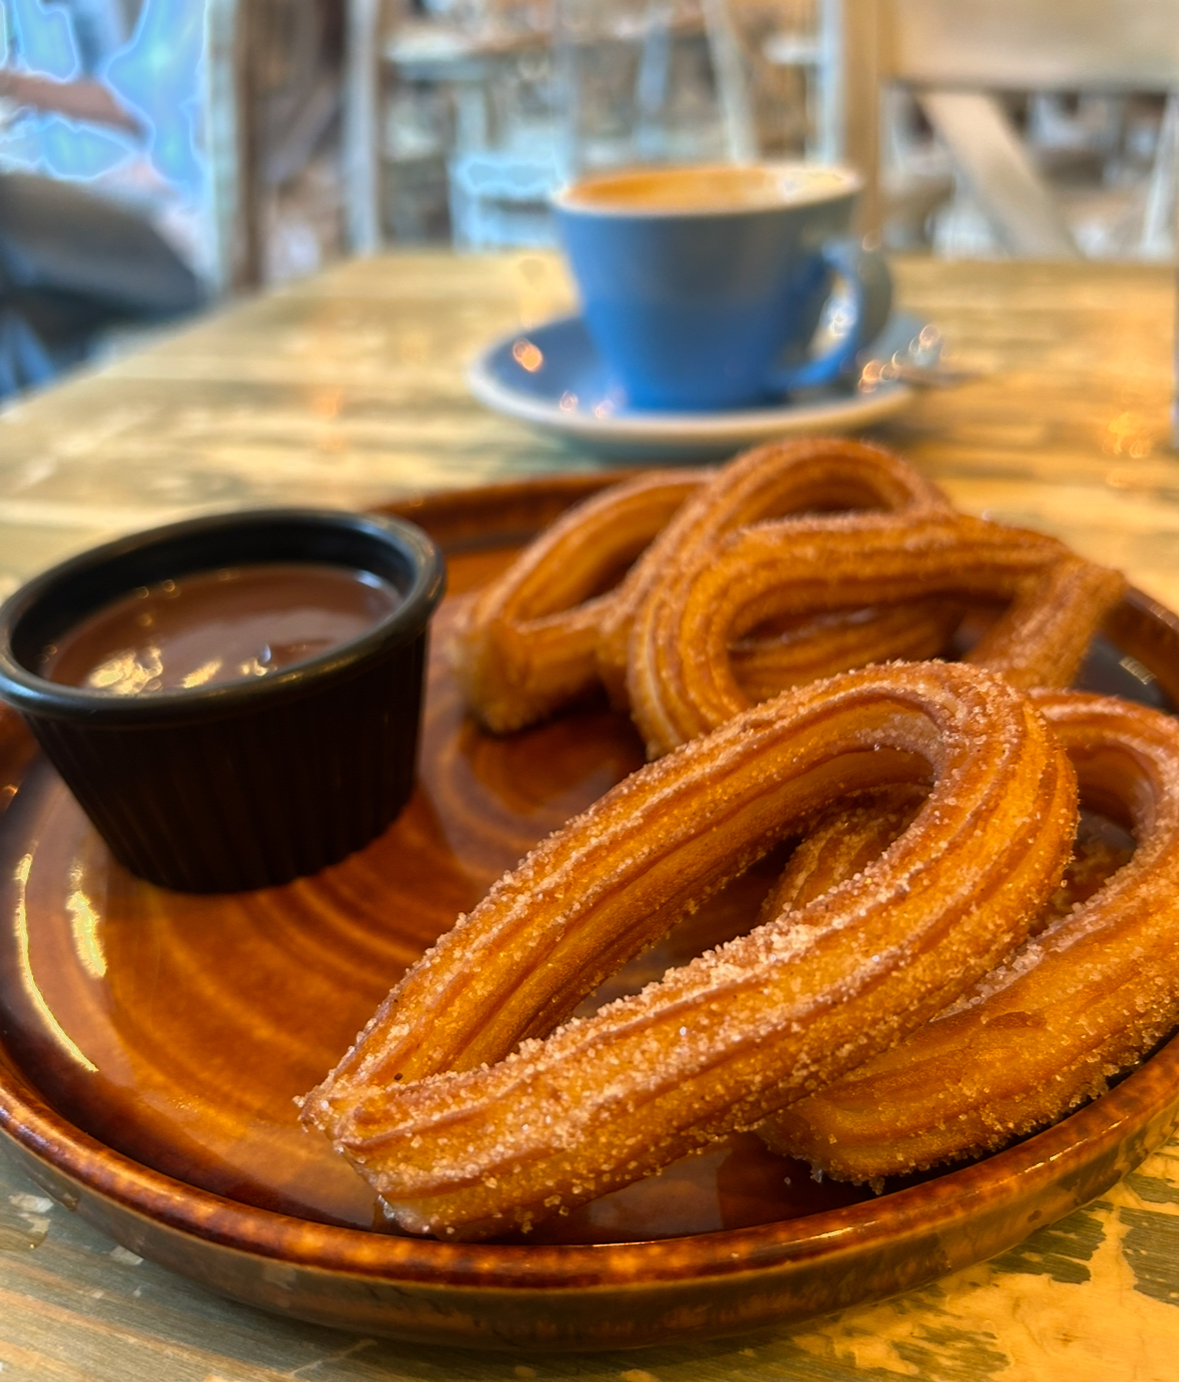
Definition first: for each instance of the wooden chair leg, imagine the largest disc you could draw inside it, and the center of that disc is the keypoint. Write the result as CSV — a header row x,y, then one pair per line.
x,y
988,151
1160,222
362,126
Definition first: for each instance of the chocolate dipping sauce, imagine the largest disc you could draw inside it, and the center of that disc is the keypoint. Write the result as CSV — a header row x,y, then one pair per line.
x,y
218,626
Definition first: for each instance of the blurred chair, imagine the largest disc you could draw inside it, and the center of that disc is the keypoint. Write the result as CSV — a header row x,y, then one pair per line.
x,y
960,60
629,82
362,123
780,43
231,147
272,99
650,81
394,136
544,95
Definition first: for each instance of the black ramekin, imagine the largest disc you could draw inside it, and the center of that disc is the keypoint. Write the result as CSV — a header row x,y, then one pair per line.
x,y
248,783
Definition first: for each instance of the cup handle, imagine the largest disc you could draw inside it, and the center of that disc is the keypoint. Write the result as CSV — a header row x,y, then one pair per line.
x,y
870,283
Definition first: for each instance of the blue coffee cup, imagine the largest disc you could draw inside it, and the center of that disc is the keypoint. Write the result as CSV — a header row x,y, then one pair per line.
x,y
703,287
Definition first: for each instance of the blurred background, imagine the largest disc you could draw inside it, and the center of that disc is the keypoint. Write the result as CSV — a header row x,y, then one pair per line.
x,y
159,155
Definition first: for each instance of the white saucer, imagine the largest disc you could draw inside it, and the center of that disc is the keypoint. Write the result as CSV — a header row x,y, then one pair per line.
x,y
552,377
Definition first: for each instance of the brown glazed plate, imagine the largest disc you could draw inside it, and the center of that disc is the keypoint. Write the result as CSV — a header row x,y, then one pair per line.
x,y
152,1045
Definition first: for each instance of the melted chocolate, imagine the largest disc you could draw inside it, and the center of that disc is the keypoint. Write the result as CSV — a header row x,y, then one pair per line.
x,y
218,626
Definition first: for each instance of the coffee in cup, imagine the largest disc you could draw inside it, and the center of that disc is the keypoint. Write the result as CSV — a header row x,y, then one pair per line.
x,y
703,287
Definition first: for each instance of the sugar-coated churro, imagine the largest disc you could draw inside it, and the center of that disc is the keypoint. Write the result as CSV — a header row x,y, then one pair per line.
x,y
467,1116
1079,1003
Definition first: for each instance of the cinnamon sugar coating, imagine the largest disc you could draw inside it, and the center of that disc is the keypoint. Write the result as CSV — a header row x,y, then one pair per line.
x,y
786,480
545,631
527,643
1081,1002
793,562
469,1113
681,677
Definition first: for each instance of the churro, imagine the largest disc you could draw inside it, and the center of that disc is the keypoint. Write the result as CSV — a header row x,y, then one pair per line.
x,y
681,677
1080,1002
469,1113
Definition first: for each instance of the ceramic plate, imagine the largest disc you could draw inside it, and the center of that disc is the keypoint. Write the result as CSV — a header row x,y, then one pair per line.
x,y
552,377
152,1046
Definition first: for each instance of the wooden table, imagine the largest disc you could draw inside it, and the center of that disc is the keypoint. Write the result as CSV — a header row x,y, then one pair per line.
x,y
348,389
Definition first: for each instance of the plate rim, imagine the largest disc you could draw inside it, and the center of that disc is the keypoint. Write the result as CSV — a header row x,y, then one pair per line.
x,y
1045,1175
137,1188
670,428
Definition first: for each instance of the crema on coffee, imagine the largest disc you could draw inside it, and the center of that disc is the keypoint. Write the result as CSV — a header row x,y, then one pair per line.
x,y
706,189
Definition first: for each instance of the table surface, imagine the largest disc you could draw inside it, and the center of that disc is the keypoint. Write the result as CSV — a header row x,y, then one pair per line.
x,y
347,390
